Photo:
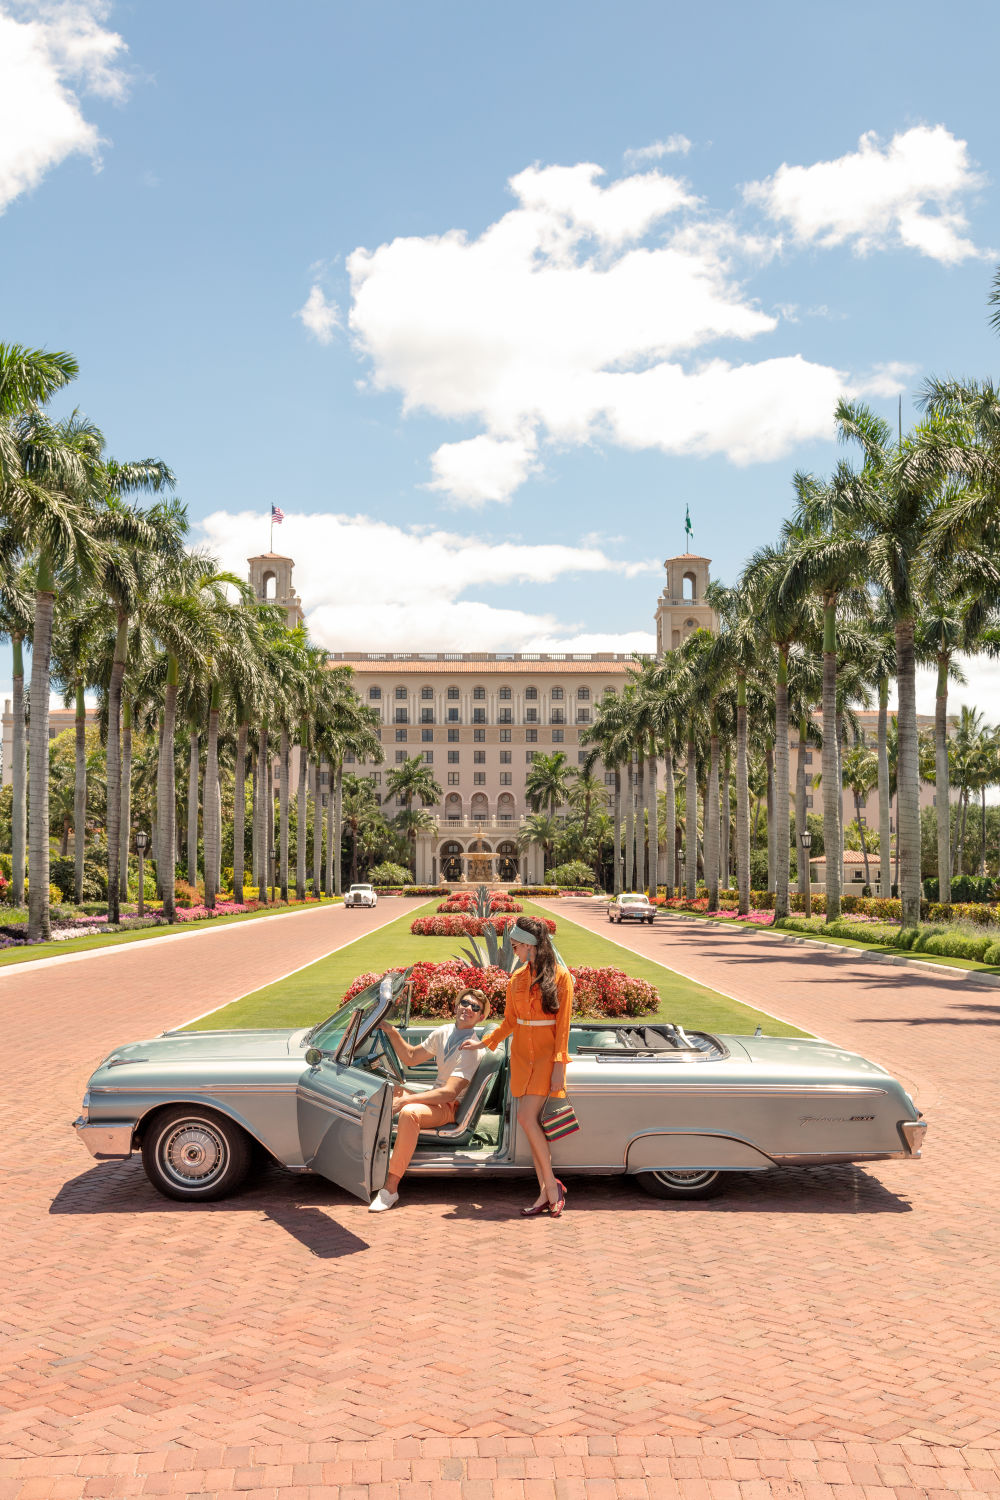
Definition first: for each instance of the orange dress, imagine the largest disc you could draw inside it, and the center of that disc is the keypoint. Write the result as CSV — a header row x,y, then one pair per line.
x,y
535,1048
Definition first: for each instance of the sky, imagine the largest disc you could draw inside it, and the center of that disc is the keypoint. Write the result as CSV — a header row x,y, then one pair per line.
x,y
484,298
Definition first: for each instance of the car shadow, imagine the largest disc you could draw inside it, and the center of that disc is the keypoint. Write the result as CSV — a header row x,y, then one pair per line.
x,y
301,1206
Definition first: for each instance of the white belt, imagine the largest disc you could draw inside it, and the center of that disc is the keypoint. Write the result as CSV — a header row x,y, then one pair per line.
x,y
536,1023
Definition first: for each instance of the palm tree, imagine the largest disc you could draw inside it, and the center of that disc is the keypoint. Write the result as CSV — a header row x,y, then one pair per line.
x,y
587,792
15,623
547,784
860,774
413,779
73,645
542,829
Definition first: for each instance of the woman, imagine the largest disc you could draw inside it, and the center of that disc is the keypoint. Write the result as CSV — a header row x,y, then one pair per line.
x,y
536,1016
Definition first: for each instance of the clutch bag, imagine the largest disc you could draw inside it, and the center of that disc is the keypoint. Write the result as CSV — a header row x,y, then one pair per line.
x,y
560,1121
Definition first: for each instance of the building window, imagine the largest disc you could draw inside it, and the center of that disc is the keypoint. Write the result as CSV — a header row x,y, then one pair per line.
x,y
583,694
479,757
809,802
427,692
479,735
609,778
583,716
428,757
479,778
379,733
378,798
557,736
452,736
505,778
505,692
479,692
479,716
558,717
809,758
530,693
531,736
557,693
529,755
453,778
453,692
453,757
427,735
505,716
453,716
581,757
377,778
401,693
400,757
402,716
400,735
531,715
504,736
505,757
374,693
427,716
348,759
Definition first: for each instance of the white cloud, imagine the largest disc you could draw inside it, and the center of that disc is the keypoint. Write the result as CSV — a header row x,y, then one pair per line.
x,y
482,468
674,145
49,52
887,380
907,192
369,585
319,316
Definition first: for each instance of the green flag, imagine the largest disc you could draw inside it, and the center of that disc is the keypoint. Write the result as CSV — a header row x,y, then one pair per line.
x,y
689,534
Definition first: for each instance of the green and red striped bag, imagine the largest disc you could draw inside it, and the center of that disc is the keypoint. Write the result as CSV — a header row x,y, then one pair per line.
x,y
560,1121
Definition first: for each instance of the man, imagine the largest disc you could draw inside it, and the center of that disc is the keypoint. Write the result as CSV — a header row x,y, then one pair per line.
x,y
437,1106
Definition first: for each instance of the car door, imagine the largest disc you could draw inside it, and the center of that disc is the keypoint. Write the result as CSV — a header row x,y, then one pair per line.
x,y
345,1122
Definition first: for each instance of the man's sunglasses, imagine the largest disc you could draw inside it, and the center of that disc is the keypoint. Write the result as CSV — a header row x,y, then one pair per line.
x,y
472,1004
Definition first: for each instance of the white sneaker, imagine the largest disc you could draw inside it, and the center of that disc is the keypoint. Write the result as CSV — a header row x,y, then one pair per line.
x,y
383,1200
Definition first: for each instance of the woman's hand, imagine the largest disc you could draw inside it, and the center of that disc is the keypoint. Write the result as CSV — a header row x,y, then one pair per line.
x,y
472,1045
558,1078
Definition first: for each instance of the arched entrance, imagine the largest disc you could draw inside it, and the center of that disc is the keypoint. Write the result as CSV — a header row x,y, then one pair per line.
x,y
451,860
506,862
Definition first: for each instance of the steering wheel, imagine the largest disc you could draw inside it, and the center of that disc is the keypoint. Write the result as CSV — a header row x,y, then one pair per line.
x,y
384,1046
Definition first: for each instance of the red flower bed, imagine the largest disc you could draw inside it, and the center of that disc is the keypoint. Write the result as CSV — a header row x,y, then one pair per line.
x,y
598,992
459,924
466,901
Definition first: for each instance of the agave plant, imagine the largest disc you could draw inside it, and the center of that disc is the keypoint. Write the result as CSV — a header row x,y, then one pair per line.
x,y
499,952
483,902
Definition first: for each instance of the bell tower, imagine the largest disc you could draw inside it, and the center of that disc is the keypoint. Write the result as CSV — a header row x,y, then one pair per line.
x,y
682,606
271,581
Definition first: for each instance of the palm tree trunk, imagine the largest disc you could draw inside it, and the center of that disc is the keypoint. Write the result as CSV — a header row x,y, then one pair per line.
x,y
884,805
670,831
782,810
210,802
39,927
217,871
260,814
239,813
742,800
801,808
942,799
982,829
652,823
725,832
772,844
194,766
861,832
166,794
283,809
317,831
19,778
618,832
908,776
126,800
841,738
270,824
712,820
79,793
629,828
691,819
114,766
302,816
640,820
959,870
831,768
896,878
338,826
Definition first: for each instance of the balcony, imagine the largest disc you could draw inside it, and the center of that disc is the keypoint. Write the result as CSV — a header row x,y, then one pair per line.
x,y
466,827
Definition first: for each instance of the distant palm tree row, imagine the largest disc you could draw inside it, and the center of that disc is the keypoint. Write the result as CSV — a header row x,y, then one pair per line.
x,y
103,587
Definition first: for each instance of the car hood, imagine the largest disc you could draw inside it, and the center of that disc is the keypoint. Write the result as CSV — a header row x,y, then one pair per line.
x,y
208,1046
803,1055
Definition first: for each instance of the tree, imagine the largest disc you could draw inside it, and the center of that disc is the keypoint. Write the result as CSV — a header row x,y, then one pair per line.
x,y
413,779
860,774
547,784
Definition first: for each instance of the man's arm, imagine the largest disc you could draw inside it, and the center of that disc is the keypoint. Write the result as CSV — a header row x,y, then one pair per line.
x,y
445,1093
409,1056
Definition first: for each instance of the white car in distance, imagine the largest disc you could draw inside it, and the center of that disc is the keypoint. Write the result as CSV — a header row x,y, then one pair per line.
x,y
361,895
631,906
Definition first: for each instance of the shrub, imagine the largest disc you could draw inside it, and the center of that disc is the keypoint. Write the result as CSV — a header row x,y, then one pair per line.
x,y
95,879
574,872
466,901
463,924
963,888
184,894
390,874
602,992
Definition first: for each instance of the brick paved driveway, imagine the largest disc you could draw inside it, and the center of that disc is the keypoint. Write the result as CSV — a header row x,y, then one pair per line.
x,y
824,1333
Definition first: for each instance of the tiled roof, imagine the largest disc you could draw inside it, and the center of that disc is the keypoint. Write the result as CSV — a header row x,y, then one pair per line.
x,y
851,857
364,662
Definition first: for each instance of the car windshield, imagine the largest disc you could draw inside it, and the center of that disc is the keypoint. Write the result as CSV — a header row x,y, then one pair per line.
x,y
327,1035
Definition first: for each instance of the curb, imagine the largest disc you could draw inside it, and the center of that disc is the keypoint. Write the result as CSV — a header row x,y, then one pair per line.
x,y
991,981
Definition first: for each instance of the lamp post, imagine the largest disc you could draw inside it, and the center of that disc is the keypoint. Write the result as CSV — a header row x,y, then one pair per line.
x,y
805,839
141,840
275,862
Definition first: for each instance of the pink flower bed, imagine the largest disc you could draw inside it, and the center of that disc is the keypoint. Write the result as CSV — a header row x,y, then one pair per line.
x,y
221,909
462,925
466,901
598,992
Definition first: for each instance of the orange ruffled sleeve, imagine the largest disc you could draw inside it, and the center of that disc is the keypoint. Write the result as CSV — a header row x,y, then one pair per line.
x,y
564,989
499,1033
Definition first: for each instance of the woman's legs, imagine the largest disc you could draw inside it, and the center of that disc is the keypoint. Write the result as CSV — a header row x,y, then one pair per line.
x,y
529,1107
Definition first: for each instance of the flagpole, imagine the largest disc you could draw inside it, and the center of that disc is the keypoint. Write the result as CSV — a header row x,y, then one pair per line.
x,y
271,544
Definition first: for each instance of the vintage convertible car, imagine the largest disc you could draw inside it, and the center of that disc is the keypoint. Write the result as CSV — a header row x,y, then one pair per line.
x,y
678,1111
631,906
361,895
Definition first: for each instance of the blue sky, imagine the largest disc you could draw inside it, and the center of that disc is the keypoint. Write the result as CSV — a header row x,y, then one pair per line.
x,y
484,296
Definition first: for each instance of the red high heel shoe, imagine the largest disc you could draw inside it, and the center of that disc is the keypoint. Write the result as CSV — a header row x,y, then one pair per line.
x,y
555,1209
534,1210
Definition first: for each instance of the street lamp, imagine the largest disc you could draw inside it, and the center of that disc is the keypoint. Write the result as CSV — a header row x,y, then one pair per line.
x,y
275,865
141,840
805,839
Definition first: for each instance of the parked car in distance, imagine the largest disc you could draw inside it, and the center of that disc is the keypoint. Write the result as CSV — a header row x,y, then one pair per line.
x,y
361,895
631,906
677,1111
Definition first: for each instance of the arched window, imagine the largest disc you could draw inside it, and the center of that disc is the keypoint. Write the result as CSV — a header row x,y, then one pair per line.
x,y
688,587
269,584
480,805
505,807
453,806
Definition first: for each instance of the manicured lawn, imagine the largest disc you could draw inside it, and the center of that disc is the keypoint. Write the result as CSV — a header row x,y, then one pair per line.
x,y
316,991
112,940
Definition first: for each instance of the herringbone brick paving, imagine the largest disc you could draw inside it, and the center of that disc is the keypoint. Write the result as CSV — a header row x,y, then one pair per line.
x,y
822,1332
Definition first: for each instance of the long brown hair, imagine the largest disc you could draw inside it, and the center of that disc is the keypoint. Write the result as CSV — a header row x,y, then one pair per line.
x,y
544,963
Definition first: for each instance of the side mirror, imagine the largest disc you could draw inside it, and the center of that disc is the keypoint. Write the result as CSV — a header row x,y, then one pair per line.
x,y
313,1057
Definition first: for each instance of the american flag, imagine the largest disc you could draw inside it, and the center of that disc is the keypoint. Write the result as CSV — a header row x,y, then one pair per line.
x,y
277,515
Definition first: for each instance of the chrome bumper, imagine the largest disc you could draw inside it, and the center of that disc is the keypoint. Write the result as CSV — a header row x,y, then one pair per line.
x,y
105,1142
913,1132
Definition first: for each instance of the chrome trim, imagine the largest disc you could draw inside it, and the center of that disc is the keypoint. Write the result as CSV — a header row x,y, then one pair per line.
x,y
106,1142
744,1090
332,1106
199,1088
718,1135
913,1132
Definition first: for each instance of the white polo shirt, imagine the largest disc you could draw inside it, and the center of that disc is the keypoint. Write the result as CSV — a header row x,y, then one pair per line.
x,y
458,1061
